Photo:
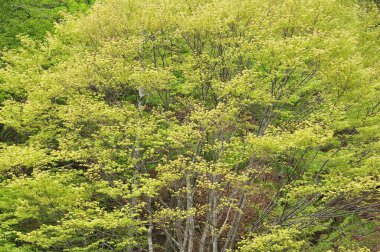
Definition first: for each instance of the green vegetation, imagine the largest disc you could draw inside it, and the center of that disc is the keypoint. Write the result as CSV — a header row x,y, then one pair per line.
x,y
33,18
200,125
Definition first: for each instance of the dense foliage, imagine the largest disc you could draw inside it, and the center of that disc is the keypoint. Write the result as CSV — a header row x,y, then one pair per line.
x,y
199,125
33,18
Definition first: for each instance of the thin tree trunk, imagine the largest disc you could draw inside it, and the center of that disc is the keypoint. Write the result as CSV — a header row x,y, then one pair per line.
x,y
190,219
149,200
150,228
231,237
214,217
202,244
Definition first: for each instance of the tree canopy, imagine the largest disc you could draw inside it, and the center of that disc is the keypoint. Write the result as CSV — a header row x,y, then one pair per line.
x,y
198,125
33,18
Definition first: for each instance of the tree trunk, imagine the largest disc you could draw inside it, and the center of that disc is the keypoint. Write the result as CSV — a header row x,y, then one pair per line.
x,y
190,219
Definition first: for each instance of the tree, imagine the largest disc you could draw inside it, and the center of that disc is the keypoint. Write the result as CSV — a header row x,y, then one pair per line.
x,y
195,126
33,18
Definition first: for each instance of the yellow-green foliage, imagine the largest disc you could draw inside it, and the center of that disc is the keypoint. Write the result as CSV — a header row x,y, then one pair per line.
x,y
200,125
278,240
